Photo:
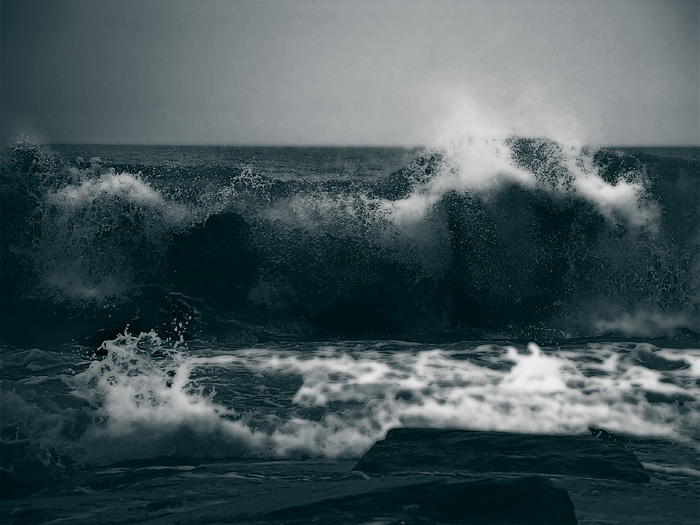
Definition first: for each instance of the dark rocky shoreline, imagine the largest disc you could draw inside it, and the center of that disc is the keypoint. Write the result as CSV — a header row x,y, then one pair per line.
x,y
414,476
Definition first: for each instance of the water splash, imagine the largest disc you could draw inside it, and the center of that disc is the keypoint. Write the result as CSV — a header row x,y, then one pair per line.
x,y
152,399
102,236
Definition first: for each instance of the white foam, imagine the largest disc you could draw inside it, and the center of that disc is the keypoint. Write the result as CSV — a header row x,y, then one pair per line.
x,y
100,232
470,164
535,373
623,198
645,324
335,401
485,162
685,471
111,183
690,356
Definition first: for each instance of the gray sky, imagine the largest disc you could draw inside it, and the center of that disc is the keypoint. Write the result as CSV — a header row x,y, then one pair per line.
x,y
392,72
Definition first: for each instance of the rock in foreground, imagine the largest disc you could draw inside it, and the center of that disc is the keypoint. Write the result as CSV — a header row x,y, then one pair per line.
x,y
439,450
525,500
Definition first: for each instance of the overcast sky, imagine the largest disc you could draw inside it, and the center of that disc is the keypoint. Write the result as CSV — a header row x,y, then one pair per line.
x,y
392,72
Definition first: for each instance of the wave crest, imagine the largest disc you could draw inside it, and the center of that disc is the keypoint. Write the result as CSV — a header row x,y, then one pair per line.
x,y
103,236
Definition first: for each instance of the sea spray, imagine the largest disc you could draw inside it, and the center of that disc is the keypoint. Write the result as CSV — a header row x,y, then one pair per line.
x,y
103,235
147,398
488,237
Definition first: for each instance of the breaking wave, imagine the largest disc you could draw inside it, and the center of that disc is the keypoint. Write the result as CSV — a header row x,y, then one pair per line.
x,y
488,238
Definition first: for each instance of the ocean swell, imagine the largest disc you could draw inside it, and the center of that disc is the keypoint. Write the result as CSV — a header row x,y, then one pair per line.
x,y
489,238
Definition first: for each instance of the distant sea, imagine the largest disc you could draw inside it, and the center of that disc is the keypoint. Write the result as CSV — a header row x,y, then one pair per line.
x,y
180,324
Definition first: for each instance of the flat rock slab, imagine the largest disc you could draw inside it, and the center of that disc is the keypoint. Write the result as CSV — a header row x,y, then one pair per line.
x,y
524,500
300,492
439,450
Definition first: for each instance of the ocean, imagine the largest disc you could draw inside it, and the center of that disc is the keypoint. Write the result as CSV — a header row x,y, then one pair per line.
x,y
215,334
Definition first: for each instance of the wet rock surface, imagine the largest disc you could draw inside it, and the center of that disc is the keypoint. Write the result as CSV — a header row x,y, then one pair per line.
x,y
531,499
439,450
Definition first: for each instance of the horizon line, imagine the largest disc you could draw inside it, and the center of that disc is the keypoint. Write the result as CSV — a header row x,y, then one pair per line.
x,y
329,145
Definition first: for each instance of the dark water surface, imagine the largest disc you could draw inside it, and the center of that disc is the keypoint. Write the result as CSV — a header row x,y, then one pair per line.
x,y
217,334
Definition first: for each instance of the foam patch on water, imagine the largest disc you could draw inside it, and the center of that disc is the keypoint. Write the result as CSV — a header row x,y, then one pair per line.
x,y
646,324
684,471
144,404
335,401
